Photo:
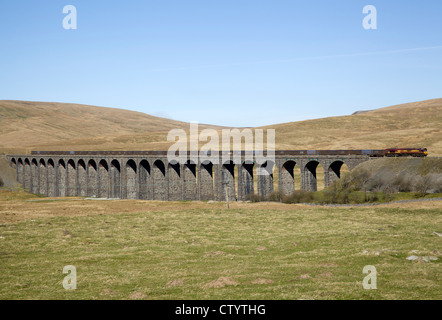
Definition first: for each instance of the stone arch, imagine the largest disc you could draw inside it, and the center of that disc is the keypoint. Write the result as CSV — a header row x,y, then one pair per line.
x,y
160,187
52,181
276,179
335,171
190,181
20,172
61,178
287,177
144,180
13,164
311,176
82,178
35,177
247,187
131,180
103,179
43,177
205,182
71,169
27,175
228,175
175,182
92,179
115,179
265,179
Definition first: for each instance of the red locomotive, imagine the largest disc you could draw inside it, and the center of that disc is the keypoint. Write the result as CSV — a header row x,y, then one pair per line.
x,y
406,152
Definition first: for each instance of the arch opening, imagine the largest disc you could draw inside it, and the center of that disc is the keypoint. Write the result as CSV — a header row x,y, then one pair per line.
x,y
82,178
43,187
71,179
190,181
92,179
206,181
265,179
229,180
35,177
20,172
61,178
27,175
287,178
175,185
336,171
314,176
160,186
144,180
103,179
52,181
131,180
247,181
115,179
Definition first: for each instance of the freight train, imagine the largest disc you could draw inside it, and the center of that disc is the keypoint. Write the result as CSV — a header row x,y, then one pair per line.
x,y
394,152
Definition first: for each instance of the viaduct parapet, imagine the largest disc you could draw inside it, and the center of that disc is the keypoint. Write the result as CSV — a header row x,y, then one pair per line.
x,y
150,176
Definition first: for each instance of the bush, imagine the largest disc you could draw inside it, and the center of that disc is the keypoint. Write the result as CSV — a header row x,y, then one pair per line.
x,y
336,193
253,197
404,182
1,182
428,183
274,196
299,196
435,183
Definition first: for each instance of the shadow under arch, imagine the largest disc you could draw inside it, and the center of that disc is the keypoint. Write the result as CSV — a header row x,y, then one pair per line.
x,y
131,179
160,185
229,178
206,181
145,184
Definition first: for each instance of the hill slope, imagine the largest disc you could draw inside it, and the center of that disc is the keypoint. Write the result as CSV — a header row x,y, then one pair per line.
x,y
58,126
417,124
63,126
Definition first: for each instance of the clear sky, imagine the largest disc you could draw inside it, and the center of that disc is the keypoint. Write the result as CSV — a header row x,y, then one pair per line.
x,y
225,62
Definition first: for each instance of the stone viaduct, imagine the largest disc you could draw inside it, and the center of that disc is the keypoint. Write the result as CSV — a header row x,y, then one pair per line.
x,y
148,175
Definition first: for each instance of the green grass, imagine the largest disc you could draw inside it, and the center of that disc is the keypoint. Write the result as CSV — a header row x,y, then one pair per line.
x,y
16,193
328,196
302,253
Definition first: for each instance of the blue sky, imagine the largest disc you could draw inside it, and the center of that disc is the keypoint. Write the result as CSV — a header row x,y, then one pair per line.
x,y
225,62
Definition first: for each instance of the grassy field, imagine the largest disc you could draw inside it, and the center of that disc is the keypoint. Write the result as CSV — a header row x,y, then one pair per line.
x,y
132,249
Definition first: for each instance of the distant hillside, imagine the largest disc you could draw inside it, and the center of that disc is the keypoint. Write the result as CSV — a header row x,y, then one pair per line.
x,y
26,126
64,126
417,124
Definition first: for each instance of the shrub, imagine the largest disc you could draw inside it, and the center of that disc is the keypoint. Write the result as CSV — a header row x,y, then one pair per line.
x,y
253,197
274,196
429,182
1,182
404,182
359,178
299,196
375,184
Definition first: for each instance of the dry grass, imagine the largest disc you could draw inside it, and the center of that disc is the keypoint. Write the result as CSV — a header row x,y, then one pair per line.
x,y
408,125
55,126
63,126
